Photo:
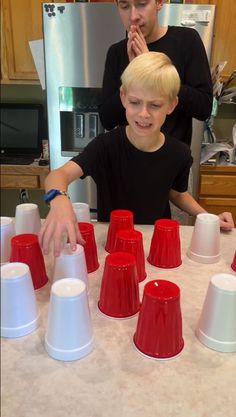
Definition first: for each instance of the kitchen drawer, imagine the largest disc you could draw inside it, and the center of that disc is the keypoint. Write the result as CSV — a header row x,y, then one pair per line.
x,y
23,176
217,189
23,181
217,205
220,185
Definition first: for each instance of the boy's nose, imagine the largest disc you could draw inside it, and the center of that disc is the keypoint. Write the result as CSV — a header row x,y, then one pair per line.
x,y
144,112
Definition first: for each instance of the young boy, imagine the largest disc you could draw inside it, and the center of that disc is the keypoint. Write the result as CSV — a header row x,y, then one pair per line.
x,y
182,45
135,167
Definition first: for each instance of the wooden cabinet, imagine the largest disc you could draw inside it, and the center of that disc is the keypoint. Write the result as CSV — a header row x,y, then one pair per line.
x,y
21,22
223,47
23,176
217,189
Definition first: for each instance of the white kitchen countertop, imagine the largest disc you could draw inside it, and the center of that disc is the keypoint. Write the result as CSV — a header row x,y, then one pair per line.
x,y
115,380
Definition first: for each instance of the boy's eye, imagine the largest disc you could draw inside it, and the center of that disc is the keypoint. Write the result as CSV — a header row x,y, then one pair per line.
x,y
134,102
155,106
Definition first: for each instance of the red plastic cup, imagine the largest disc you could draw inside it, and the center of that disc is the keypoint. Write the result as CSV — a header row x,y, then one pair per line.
x,y
119,294
25,248
90,247
132,241
233,265
165,250
159,328
119,220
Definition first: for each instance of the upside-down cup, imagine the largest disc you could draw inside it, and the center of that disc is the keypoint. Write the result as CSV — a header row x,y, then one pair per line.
x,y
27,219
19,312
132,241
90,247
159,328
233,265
217,324
25,248
119,293
82,212
119,220
7,232
71,264
165,248
205,242
69,333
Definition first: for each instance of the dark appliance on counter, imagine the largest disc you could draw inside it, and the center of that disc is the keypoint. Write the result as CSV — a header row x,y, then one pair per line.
x,y
21,133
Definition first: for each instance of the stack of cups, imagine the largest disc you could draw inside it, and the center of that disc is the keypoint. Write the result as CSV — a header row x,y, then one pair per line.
x,y
119,220
119,294
217,324
159,329
27,219
132,241
25,248
90,247
205,242
7,232
82,212
19,313
165,250
71,264
69,333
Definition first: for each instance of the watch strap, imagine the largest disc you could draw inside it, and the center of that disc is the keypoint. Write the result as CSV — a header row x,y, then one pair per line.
x,y
51,194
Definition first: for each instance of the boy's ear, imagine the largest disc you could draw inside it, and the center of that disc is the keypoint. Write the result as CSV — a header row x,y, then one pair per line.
x,y
173,105
122,96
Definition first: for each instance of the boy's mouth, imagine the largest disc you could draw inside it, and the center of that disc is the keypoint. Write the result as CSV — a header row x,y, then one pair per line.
x,y
143,125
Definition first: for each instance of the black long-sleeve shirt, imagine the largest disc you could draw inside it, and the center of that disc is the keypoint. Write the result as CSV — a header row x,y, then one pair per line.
x,y
185,49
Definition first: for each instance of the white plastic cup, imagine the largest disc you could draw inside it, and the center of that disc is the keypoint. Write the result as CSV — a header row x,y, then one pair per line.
x,y
205,242
69,333
82,212
19,312
71,264
217,324
27,219
7,232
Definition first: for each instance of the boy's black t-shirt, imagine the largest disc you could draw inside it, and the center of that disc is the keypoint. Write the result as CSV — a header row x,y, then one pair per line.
x,y
128,178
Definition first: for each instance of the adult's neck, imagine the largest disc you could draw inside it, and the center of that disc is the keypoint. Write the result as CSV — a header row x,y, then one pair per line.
x,y
157,34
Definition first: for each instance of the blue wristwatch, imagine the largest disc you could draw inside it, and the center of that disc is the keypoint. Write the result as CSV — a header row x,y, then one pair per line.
x,y
51,194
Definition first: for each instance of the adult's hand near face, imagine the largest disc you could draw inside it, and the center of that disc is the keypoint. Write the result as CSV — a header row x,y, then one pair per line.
x,y
136,44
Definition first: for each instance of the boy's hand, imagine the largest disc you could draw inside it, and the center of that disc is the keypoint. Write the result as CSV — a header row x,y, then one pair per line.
x,y
136,44
60,222
226,221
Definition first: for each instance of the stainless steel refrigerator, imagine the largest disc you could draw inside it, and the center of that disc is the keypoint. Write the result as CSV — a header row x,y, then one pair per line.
x,y
76,39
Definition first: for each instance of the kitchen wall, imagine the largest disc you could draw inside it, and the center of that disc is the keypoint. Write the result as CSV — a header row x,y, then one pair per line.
x,y
224,121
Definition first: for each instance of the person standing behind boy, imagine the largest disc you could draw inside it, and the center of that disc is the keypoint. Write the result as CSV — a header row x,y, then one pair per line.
x,y
135,167
185,49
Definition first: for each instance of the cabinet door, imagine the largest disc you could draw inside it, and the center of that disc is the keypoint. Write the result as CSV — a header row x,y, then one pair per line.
x,y
22,21
223,48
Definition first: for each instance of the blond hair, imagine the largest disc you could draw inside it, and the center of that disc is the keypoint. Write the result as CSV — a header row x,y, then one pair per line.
x,y
152,70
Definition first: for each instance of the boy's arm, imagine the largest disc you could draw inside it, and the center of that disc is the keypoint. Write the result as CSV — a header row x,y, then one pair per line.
x,y
187,203
61,218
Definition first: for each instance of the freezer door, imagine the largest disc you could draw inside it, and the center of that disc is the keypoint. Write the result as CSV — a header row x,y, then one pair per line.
x,y
76,39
